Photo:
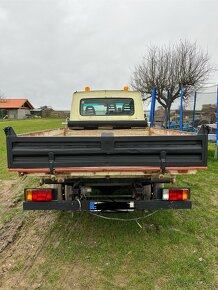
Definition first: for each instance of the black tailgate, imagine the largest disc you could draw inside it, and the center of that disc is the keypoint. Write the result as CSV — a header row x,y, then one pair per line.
x,y
107,150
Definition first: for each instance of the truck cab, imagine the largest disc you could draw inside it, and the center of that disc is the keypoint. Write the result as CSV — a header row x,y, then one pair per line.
x,y
112,108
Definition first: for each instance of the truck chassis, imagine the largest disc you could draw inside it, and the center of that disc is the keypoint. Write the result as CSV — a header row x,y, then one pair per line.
x,y
77,166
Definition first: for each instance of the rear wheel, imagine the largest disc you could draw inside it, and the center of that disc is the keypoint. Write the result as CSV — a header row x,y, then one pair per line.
x,y
68,192
146,195
59,189
157,190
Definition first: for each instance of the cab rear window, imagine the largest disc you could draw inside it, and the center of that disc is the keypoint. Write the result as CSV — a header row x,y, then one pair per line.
x,y
107,107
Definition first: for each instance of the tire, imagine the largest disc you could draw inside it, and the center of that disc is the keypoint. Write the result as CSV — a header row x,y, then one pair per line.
x,y
157,190
59,189
68,192
146,195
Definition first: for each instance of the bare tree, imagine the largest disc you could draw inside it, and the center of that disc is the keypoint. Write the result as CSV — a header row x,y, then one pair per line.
x,y
168,67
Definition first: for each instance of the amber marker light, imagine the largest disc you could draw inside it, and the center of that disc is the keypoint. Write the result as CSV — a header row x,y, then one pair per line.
x,y
87,89
29,196
126,88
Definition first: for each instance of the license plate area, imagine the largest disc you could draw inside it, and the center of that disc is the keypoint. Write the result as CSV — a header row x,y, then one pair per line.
x,y
110,206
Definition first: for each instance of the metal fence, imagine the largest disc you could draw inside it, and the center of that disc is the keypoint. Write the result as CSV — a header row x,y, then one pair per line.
x,y
188,113
200,108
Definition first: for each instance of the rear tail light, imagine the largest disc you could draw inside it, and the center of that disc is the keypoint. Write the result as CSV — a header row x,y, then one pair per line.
x,y
38,194
176,194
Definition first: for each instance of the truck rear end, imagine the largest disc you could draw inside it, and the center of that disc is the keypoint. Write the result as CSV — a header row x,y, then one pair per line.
x,y
107,159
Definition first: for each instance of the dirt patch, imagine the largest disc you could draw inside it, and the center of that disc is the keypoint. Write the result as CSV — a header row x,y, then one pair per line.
x,y
6,185
11,196
22,235
9,191
9,231
17,259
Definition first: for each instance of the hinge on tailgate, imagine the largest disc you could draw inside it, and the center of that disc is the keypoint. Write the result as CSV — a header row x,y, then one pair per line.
x,y
163,160
9,131
204,130
51,162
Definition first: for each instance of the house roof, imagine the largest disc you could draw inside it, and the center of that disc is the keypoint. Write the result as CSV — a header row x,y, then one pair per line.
x,y
15,104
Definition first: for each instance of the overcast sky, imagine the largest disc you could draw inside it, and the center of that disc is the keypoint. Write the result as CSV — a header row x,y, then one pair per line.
x,y
51,48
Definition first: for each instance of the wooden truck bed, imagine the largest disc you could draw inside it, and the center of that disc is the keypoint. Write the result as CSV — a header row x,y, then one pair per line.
x,y
99,132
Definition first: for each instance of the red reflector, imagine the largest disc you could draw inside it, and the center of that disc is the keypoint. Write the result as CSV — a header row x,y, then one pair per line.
x,y
39,194
176,194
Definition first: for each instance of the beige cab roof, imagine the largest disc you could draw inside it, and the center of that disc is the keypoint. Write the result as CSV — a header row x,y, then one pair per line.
x,y
78,96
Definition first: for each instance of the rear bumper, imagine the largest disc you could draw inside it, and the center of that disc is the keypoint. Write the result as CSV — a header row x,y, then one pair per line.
x,y
85,205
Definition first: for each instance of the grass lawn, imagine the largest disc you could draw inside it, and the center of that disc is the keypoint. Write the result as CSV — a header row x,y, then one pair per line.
x,y
169,250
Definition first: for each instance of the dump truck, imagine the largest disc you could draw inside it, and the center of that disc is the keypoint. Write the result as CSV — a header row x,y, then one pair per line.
x,y
106,158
